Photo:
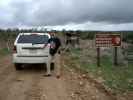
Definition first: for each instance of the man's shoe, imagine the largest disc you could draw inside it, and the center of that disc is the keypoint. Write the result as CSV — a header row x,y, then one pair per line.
x,y
58,76
47,75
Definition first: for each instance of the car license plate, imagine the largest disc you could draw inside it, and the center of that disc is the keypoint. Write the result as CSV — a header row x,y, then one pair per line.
x,y
33,51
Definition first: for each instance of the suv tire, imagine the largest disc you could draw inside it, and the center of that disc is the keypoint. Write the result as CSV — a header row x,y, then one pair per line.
x,y
18,66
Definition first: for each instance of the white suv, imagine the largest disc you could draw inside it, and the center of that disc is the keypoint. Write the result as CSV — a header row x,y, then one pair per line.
x,y
31,48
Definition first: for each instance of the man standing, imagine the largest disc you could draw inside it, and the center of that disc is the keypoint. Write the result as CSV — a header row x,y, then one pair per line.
x,y
54,51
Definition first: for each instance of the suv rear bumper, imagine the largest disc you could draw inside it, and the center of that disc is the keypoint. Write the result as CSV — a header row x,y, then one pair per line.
x,y
30,59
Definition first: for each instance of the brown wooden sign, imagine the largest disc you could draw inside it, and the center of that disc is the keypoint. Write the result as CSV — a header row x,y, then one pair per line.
x,y
107,40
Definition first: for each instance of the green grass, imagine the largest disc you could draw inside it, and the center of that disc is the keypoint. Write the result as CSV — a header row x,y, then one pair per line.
x,y
4,51
118,78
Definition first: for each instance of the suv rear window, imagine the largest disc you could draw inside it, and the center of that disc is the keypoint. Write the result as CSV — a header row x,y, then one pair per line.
x,y
34,39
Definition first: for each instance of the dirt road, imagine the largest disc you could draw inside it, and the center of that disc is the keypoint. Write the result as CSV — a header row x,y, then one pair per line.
x,y
30,84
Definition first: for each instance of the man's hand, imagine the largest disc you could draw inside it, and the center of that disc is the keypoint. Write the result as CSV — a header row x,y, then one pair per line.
x,y
45,45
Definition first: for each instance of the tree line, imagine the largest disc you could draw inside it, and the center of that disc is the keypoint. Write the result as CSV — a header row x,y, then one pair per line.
x,y
5,34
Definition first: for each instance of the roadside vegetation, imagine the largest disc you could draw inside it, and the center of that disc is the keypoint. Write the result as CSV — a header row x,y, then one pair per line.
x,y
4,52
118,79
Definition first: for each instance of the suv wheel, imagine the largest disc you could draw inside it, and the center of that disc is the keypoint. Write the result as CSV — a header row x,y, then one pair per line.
x,y
18,66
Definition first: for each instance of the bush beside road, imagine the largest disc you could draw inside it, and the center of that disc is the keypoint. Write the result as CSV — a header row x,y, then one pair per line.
x,y
4,51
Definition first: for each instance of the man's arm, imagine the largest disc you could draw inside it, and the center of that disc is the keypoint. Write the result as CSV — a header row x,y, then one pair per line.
x,y
47,43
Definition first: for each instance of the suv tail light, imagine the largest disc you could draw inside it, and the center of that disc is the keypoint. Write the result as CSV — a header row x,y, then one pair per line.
x,y
14,49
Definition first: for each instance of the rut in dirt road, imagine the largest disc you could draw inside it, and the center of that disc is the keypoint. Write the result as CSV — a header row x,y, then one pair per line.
x,y
30,84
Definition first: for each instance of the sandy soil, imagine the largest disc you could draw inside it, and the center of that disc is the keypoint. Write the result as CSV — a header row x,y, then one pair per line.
x,y
30,84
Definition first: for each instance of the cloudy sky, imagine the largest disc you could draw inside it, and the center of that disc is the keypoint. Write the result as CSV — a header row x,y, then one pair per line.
x,y
68,14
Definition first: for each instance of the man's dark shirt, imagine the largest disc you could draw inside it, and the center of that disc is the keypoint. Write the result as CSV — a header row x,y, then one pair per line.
x,y
57,43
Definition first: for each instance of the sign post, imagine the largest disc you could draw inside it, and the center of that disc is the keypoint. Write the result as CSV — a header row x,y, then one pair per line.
x,y
107,40
115,56
98,57
116,42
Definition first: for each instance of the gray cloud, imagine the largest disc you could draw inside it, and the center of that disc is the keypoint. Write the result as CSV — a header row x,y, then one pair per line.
x,y
61,12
